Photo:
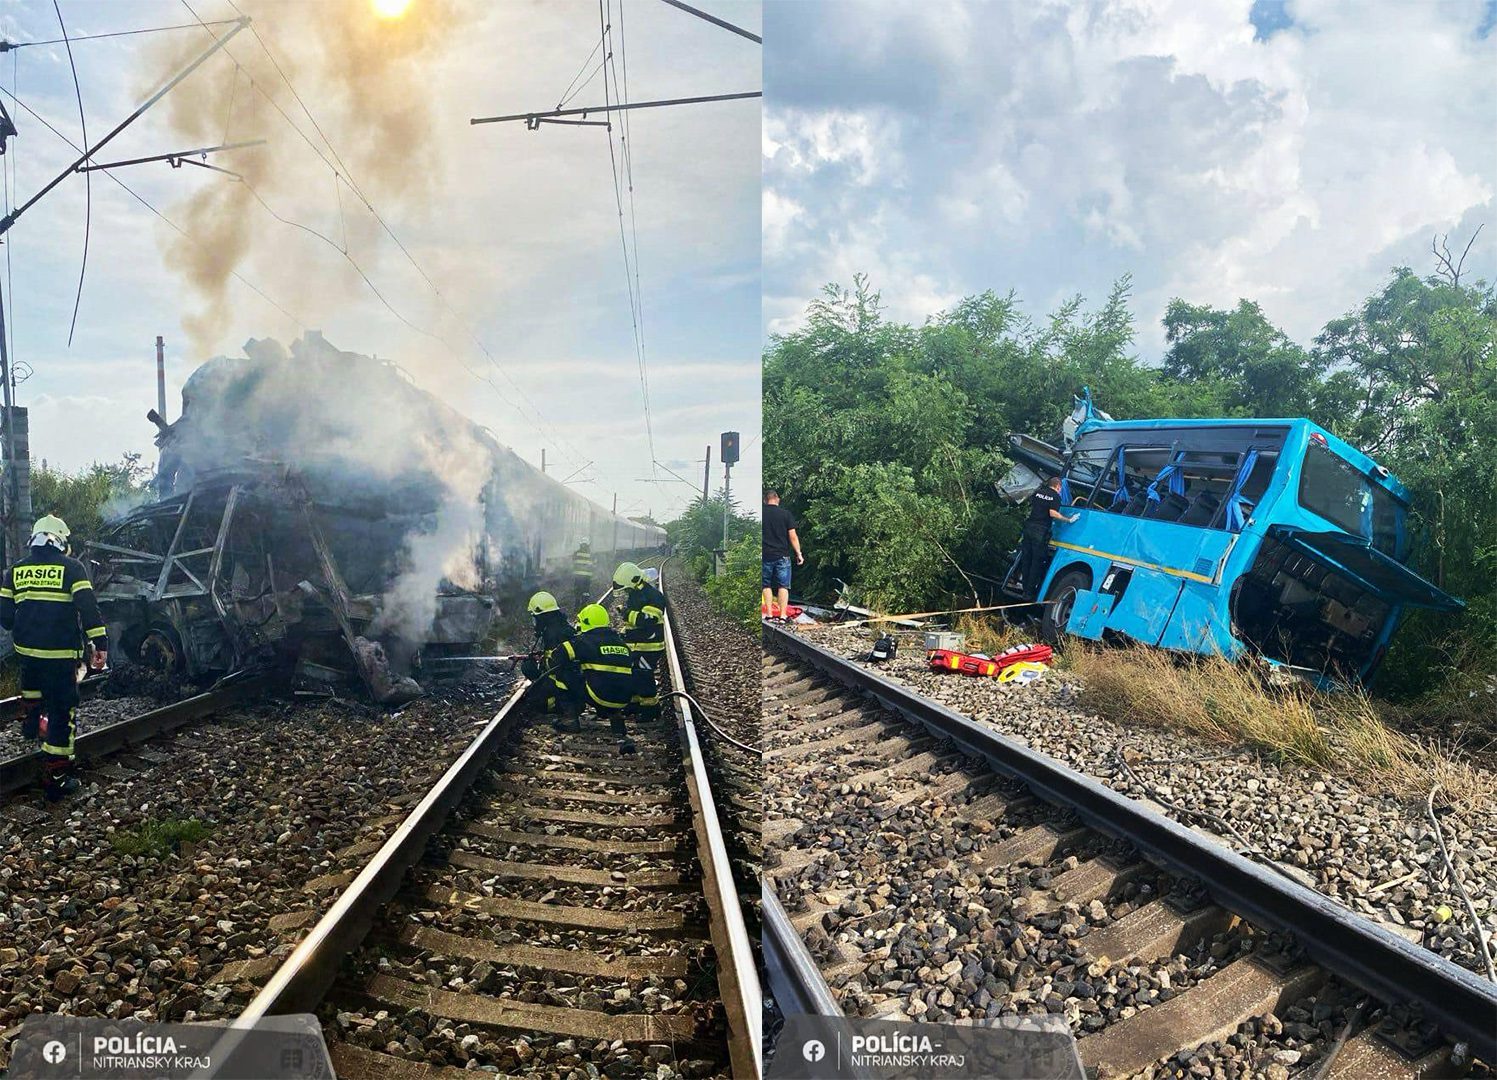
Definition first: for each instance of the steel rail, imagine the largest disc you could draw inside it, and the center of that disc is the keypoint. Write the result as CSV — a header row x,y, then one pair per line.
x,y
305,976
737,977
1457,1001
23,770
795,982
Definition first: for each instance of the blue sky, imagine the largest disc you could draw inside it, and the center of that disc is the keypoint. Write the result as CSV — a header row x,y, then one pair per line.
x,y
1290,152
518,229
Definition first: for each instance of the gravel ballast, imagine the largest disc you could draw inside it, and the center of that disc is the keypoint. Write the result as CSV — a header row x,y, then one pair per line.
x,y
280,788
1374,853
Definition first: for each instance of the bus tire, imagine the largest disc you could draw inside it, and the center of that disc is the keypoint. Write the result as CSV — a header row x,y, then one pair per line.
x,y
1061,598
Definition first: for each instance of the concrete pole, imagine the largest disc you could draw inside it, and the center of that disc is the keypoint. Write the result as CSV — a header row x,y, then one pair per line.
x,y
160,377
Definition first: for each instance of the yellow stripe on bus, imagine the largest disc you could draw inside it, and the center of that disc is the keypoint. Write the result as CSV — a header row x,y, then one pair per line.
x,y
1136,562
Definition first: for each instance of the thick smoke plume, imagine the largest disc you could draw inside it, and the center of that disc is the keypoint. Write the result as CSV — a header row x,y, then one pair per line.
x,y
360,433
365,80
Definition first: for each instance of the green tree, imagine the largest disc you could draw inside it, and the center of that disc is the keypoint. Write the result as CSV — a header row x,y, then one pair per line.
x,y
884,439
89,498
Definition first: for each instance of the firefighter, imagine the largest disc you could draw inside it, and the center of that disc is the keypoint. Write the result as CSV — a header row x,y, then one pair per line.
x,y
610,676
48,605
643,612
556,680
582,573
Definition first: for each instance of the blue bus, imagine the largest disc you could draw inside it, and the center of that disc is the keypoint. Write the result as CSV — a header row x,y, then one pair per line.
x,y
1227,537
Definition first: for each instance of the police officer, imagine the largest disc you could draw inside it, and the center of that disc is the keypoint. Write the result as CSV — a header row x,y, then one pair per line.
x,y
644,613
1034,545
553,671
582,573
610,676
48,605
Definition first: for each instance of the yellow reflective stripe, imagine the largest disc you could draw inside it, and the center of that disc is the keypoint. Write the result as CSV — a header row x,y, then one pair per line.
x,y
84,584
49,654
54,597
96,632
1187,574
606,704
647,646
58,751
31,695
7,593
653,611
614,668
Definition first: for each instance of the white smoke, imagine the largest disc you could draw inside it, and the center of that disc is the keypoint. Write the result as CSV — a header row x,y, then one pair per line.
x,y
354,427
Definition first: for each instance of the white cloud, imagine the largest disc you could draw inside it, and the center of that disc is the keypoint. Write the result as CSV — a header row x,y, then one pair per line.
x,y
1051,148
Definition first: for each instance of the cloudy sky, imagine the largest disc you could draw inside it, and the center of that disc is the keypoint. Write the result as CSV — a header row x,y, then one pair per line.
x,y
517,230
1290,153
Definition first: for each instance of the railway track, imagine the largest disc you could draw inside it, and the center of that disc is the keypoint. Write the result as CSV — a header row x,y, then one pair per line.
x,y
94,744
721,667
547,906
921,866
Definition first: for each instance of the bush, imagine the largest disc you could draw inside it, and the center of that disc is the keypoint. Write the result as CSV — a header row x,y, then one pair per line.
x,y
737,591
89,498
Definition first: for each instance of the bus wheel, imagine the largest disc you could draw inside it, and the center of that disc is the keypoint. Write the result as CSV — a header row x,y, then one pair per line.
x,y
1060,600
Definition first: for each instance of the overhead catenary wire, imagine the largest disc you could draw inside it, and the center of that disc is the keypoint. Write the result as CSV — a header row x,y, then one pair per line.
x,y
179,230
715,21
88,180
10,46
339,168
630,266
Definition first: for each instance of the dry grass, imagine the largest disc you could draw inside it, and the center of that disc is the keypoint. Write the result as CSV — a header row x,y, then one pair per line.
x,y
1232,704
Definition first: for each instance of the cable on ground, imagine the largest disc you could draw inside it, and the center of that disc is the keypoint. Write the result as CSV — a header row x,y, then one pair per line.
x,y
1481,932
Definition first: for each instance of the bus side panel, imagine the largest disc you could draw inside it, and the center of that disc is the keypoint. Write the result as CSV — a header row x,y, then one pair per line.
x,y
1200,623
1145,606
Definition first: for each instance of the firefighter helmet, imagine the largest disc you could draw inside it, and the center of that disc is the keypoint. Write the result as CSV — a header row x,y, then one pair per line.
x,y
541,603
626,575
50,530
592,617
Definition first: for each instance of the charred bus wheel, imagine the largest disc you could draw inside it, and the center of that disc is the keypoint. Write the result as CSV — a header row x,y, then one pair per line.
x,y
160,650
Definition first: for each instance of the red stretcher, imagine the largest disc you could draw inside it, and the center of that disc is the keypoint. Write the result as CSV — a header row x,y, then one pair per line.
x,y
990,666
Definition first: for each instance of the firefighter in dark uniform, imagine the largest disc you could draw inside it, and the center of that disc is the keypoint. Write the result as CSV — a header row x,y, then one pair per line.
x,y
582,573
643,612
48,605
610,675
553,672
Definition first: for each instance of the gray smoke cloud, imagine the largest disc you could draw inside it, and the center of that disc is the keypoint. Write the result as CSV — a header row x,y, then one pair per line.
x,y
421,499
361,434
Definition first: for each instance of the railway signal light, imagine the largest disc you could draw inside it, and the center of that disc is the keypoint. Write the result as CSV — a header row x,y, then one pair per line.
x,y
730,448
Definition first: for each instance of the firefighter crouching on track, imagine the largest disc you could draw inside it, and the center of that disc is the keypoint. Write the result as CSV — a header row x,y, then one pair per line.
x,y
554,675
611,675
643,613
48,605
582,573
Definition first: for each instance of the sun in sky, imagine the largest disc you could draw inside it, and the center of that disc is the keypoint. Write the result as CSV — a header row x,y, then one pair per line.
x,y
390,9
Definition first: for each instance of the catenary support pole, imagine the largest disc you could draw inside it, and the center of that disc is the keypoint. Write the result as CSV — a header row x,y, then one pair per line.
x,y
160,377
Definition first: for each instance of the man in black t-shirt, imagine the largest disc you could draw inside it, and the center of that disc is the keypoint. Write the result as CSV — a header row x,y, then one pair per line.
x,y
1034,547
779,541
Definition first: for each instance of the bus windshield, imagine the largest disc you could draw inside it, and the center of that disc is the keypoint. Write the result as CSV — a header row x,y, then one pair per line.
x,y
1333,488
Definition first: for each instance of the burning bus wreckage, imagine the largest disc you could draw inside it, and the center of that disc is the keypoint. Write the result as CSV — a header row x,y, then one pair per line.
x,y
313,509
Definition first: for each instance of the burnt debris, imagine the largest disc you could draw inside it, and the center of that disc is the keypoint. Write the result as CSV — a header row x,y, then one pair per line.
x,y
314,509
